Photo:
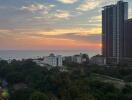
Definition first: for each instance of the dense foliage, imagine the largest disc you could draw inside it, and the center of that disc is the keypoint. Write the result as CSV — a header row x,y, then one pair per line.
x,y
28,81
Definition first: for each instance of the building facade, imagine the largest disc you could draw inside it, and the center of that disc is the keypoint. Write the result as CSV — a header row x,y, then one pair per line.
x,y
81,59
53,60
128,41
77,59
113,23
98,59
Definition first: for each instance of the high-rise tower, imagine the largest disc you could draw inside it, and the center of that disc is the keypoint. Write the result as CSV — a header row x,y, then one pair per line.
x,y
113,19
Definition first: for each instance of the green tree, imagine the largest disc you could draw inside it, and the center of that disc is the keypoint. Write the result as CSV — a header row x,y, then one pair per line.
x,y
22,94
38,96
86,97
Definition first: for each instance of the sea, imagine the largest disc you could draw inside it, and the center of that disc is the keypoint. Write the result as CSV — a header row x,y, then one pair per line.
x,y
27,54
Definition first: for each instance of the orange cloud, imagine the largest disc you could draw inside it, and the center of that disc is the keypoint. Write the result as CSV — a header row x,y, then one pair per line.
x,y
47,43
65,38
82,31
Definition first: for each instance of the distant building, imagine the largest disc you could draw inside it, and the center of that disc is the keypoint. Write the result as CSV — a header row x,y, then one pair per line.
x,y
77,59
9,60
53,60
81,58
68,59
59,60
39,62
85,58
98,59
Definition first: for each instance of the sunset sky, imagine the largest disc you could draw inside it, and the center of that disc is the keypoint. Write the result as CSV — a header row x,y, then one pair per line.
x,y
51,24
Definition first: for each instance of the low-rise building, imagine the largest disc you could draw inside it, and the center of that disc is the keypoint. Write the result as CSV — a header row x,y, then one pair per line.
x,y
81,58
77,59
53,60
98,59
68,59
50,61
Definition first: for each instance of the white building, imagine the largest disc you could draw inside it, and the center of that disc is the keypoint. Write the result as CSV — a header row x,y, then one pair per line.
x,y
59,60
53,60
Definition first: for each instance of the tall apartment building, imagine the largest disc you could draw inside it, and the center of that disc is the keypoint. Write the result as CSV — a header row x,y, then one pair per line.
x,y
128,41
113,32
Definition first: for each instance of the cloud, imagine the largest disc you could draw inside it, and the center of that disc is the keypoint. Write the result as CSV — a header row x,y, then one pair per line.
x,y
35,38
79,30
130,12
70,40
37,7
95,19
62,14
67,1
70,33
89,5
92,4
4,31
93,38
